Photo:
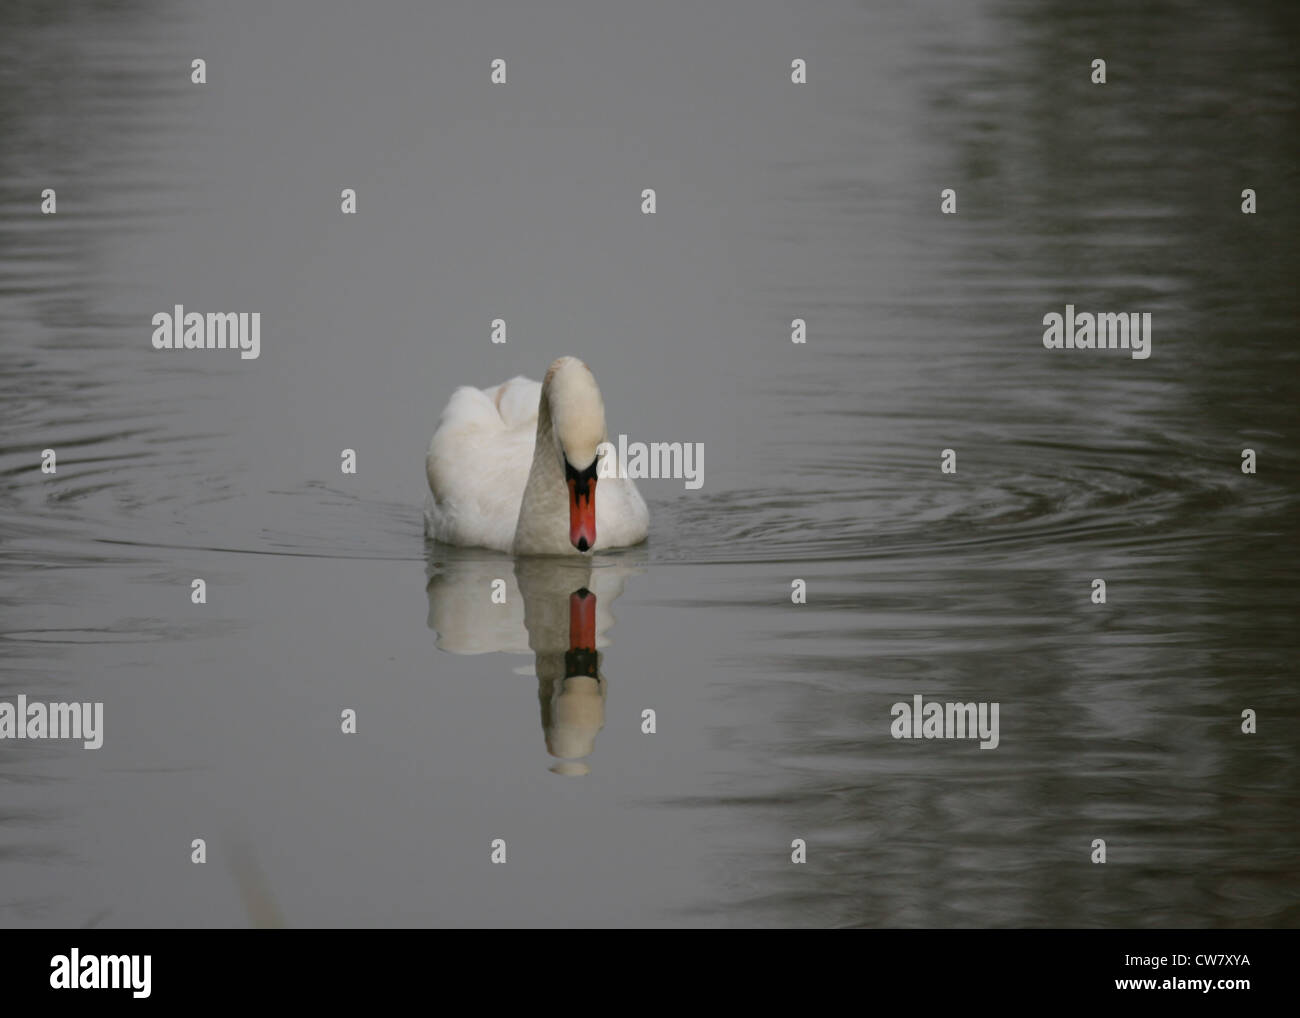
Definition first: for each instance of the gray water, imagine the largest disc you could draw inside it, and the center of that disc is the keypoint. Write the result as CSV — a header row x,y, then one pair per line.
x,y
820,201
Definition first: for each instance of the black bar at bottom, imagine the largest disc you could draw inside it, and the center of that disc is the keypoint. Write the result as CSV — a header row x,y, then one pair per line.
x,y
379,967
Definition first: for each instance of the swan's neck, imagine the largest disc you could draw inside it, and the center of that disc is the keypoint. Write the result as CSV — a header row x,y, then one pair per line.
x,y
543,524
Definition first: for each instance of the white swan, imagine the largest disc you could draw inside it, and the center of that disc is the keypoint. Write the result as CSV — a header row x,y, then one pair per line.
x,y
515,468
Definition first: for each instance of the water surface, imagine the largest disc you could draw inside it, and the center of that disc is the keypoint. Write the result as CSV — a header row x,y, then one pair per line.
x,y
822,461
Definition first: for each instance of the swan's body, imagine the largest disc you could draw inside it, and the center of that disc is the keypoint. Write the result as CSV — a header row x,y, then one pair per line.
x,y
509,466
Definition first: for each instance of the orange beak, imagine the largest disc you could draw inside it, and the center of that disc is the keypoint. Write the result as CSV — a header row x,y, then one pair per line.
x,y
582,512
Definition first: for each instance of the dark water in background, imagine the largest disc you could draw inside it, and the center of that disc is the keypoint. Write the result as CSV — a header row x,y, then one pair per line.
x,y
822,462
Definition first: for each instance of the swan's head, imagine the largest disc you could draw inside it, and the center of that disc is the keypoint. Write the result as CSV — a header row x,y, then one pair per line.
x,y
578,424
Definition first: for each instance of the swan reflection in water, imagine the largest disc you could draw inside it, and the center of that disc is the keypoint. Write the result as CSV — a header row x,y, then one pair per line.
x,y
556,609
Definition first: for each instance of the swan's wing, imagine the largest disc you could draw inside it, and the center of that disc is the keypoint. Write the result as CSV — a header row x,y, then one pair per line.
x,y
509,405
478,462
468,410
516,401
